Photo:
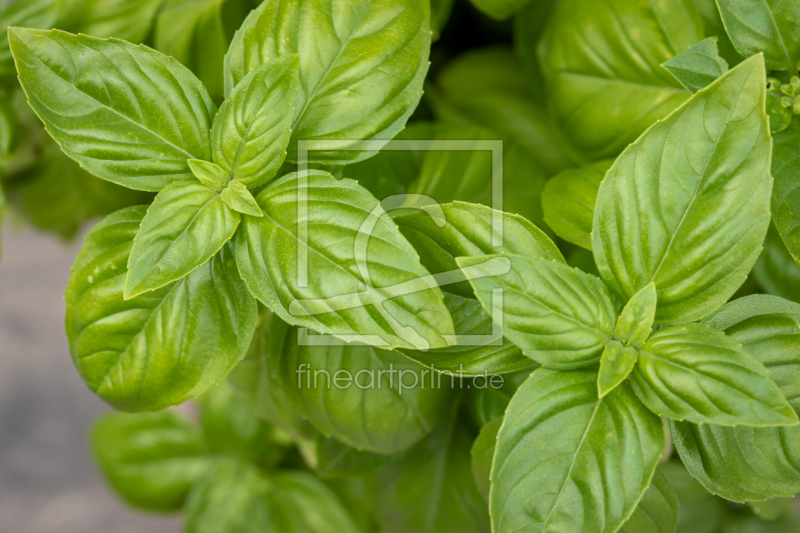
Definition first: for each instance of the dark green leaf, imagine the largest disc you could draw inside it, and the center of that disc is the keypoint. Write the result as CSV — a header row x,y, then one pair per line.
x,y
657,511
482,453
699,511
28,14
161,348
9,129
488,403
136,125
687,205
559,444
775,271
336,460
500,9
128,20
561,317
714,27
697,66
786,194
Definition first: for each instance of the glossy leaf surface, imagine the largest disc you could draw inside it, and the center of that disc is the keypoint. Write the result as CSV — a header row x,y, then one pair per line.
x,y
697,66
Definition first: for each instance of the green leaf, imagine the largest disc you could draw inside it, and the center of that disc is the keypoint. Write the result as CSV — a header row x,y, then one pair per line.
x,y
559,443
657,511
127,20
373,400
769,27
529,25
687,205
714,27
743,463
197,33
440,14
9,130
400,306
786,194
482,453
161,348
775,271
211,175
568,200
774,508
561,317
636,320
500,9
237,197
479,350
184,227
150,459
336,460
697,66
459,229
604,87
29,14
486,402
779,116
137,125
616,364
252,129
362,65
699,511
430,488
695,373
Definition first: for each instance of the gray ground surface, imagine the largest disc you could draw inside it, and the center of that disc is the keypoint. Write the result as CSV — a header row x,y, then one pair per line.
x,y
48,483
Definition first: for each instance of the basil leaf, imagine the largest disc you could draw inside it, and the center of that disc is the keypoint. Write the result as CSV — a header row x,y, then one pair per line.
x,y
779,116
699,511
695,373
488,403
529,25
347,50
482,453
775,271
28,14
561,317
604,91
705,175
372,400
336,460
743,463
184,227
252,129
786,194
440,14
714,27
197,33
616,364
237,197
697,66
158,349
468,231
500,9
636,320
151,459
479,351
128,20
560,442
9,130
768,27
568,200
211,175
137,125
430,488
657,511
410,311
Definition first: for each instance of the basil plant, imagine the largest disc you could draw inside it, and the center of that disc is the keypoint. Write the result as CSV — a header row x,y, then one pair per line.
x,y
581,317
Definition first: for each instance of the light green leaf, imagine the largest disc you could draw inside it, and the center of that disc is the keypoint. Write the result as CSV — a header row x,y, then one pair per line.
x,y
336,460
28,14
150,459
500,9
430,488
605,87
657,511
482,453
197,33
373,400
786,195
128,20
252,129
362,65
237,197
568,201
459,229
636,320
697,66
559,443
775,271
561,317
779,116
211,175
158,349
480,348
768,26
616,364
350,243
687,205
137,125
743,463
695,373
184,227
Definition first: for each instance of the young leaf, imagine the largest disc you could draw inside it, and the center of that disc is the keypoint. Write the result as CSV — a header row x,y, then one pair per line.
x,y
28,14
468,230
252,129
568,200
559,316
697,66
151,459
695,373
237,197
482,453
744,463
616,364
786,195
336,460
362,65
478,350
184,227
559,443
159,349
657,511
211,175
373,400
349,242
604,91
769,27
636,320
687,205
775,271
136,125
